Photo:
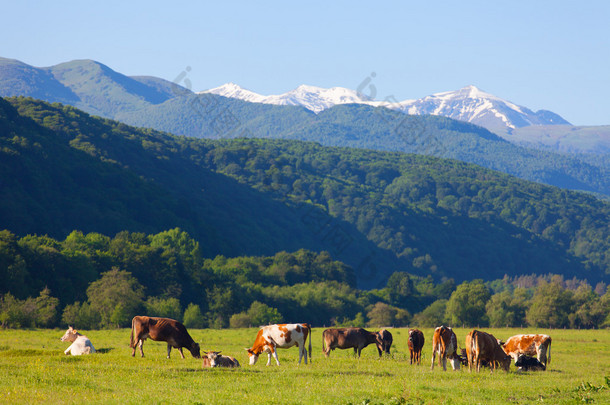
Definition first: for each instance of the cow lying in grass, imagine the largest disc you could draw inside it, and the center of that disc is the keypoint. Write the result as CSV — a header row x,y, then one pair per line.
x,y
80,343
215,359
527,363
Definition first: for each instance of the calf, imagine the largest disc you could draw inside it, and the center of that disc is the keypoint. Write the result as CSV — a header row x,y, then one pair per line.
x,y
163,330
384,341
271,337
444,343
416,344
215,359
526,363
346,338
481,346
80,343
538,346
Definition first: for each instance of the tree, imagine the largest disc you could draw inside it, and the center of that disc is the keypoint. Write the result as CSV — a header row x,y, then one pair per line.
x,y
193,318
383,314
115,287
164,307
400,289
550,306
81,316
433,315
467,304
506,308
46,309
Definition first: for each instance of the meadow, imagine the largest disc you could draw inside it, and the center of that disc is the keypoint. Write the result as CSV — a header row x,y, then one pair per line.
x,y
34,369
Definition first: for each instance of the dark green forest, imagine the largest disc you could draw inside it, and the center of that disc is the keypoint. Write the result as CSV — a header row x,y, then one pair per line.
x,y
378,212
95,281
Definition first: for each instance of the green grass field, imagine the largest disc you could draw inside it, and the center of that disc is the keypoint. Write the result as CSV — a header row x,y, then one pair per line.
x,y
33,369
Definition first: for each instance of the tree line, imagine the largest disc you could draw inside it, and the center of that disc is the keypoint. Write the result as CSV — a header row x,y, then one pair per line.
x,y
95,281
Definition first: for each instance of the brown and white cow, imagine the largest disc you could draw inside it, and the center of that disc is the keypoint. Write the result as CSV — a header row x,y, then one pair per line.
x,y
416,344
444,343
80,343
346,338
283,336
161,330
215,359
482,346
538,346
384,342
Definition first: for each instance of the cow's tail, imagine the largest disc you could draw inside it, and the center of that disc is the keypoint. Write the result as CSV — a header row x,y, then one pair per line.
x,y
133,327
309,329
548,354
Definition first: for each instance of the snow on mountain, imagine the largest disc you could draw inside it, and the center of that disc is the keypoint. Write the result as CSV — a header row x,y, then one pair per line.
x,y
473,105
313,98
469,104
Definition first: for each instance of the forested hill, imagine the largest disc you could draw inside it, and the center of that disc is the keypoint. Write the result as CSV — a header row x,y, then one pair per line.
x,y
362,126
61,169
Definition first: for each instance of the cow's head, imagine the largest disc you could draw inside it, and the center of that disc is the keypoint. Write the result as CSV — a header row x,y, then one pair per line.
x,y
195,350
384,341
505,363
253,356
70,335
213,357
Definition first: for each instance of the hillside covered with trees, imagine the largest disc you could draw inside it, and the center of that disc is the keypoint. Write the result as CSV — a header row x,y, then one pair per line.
x,y
95,281
378,212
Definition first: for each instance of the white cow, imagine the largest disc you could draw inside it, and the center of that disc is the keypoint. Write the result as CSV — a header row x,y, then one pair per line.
x,y
282,336
80,343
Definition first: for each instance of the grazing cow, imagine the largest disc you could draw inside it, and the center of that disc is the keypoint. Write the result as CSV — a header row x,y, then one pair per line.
x,y
538,346
215,359
161,330
271,337
482,346
80,343
444,343
416,344
526,363
345,338
384,341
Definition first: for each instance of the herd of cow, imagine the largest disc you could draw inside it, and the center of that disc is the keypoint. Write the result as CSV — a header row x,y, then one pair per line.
x,y
529,352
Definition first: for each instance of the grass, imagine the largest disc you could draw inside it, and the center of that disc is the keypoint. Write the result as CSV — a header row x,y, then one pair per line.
x,y
33,369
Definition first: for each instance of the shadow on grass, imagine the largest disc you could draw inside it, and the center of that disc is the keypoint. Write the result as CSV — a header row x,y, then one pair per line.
x,y
104,350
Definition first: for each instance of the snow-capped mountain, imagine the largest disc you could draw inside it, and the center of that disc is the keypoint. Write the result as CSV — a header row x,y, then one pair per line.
x,y
473,105
313,98
468,104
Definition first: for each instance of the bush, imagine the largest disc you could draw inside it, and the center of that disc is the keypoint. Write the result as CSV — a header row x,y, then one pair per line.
x,y
193,318
164,307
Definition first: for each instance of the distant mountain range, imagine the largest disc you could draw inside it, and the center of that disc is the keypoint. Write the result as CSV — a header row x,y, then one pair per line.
x,y
334,117
468,104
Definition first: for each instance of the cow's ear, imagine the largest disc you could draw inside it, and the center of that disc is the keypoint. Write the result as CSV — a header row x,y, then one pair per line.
x,y
219,352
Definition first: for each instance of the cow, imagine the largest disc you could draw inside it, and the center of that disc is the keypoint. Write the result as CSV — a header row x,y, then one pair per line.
x,y
416,344
538,346
481,346
444,343
384,341
345,338
215,359
283,336
80,343
161,330
526,363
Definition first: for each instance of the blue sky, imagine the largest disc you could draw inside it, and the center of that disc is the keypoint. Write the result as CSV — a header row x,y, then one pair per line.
x,y
552,55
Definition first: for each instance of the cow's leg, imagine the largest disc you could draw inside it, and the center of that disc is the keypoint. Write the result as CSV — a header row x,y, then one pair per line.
x,y
169,350
302,352
141,344
433,359
67,351
444,361
181,354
